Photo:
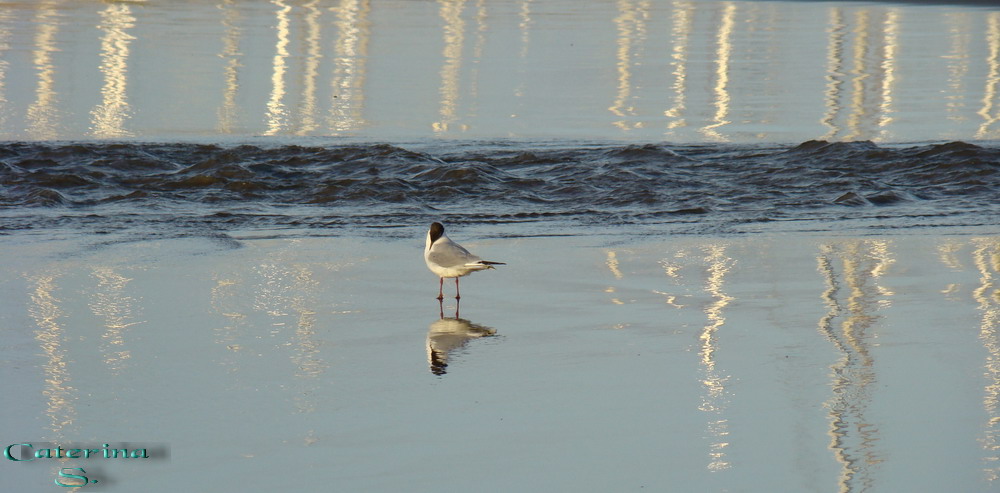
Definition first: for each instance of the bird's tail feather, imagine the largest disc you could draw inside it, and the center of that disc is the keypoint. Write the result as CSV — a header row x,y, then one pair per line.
x,y
487,264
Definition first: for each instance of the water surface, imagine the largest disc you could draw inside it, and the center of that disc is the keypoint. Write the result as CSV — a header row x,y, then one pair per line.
x,y
689,71
750,246
756,363
558,188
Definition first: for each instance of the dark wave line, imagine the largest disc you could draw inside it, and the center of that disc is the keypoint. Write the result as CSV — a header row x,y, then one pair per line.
x,y
631,183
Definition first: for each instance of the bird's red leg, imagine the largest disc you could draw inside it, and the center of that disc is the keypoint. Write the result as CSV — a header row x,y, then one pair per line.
x,y
457,295
441,290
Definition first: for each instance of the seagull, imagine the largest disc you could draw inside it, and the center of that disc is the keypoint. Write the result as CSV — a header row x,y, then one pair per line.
x,y
449,259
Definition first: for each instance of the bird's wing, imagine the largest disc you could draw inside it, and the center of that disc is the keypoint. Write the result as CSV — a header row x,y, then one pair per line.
x,y
451,256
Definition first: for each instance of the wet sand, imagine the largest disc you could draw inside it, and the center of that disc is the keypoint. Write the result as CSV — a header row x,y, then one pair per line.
x,y
588,363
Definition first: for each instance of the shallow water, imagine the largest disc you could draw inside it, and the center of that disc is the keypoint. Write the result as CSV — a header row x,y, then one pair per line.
x,y
687,71
805,363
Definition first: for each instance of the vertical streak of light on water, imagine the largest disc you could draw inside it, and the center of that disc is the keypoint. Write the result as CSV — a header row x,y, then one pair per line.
x,y
349,66
989,112
947,254
525,22
852,437
314,54
108,118
631,28
671,269
110,302
277,114
834,72
4,67
306,355
714,400
830,298
863,268
481,15
228,110
42,113
890,51
680,35
723,59
50,334
612,263
623,22
454,46
881,253
986,257
958,63
860,74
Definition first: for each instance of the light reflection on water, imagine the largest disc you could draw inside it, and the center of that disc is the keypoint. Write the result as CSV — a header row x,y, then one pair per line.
x,y
4,65
716,399
280,303
704,271
276,109
680,32
286,292
109,117
350,67
226,301
310,69
861,67
986,257
631,24
228,113
989,112
453,53
681,70
721,99
111,303
41,115
50,334
855,267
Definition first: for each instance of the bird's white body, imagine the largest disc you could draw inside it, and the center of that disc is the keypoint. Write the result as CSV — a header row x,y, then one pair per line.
x,y
445,258
449,259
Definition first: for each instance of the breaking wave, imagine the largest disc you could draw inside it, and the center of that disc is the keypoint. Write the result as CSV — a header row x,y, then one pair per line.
x,y
716,187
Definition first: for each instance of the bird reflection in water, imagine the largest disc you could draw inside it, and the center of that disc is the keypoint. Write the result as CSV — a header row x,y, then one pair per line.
x,y
448,334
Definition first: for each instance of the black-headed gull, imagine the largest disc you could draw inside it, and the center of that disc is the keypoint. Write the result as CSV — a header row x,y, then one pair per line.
x,y
449,259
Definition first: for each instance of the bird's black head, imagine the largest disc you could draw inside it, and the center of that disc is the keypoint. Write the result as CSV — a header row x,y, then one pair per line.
x,y
437,230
